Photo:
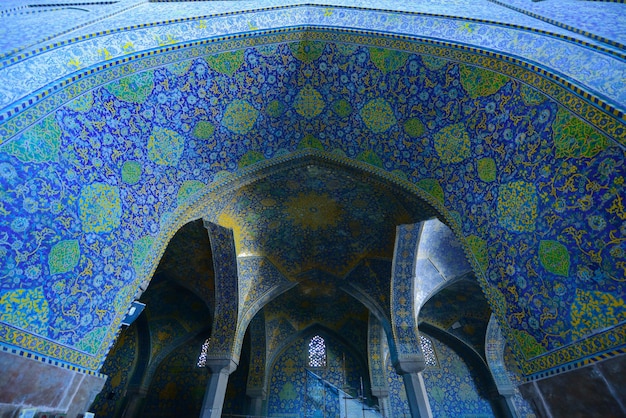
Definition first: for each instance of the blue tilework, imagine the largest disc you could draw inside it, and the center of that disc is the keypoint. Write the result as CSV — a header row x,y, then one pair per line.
x,y
403,317
93,191
592,70
604,20
50,23
258,354
224,334
375,353
452,387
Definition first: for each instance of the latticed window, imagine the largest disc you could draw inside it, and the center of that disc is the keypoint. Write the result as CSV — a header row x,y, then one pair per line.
x,y
317,352
203,354
429,351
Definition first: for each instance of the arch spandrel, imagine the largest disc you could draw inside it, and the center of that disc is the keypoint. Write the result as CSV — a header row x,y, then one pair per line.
x,y
499,160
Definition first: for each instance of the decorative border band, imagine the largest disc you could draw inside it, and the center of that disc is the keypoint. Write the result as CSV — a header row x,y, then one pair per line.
x,y
47,38
44,359
567,27
323,6
587,106
546,365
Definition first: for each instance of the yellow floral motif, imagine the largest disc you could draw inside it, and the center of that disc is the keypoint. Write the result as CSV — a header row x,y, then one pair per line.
x,y
388,60
64,256
378,116
487,170
478,247
309,141
167,40
240,116
592,311
517,206
100,207
133,89
106,55
554,257
141,249
82,103
187,189
39,144
452,143
479,82
309,102
575,138
434,63
75,62
227,62
165,147
92,341
313,211
530,347
531,96
26,309
249,158
307,51
432,187
128,47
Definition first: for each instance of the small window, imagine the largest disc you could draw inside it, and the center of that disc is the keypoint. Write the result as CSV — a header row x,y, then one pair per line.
x,y
429,352
203,353
317,352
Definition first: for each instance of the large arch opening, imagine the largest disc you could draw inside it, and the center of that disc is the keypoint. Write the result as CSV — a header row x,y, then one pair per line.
x,y
100,170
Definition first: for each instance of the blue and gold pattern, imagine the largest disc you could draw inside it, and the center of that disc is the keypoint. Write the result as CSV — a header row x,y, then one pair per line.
x,y
226,301
452,387
404,319
556,155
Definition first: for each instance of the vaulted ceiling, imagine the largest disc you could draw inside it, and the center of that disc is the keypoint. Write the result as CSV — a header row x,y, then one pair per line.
x,y
314,217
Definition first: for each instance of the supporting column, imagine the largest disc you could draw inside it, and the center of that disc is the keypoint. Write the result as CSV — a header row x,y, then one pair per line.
x,y
216,387
223,353
257,396
406,353
509,407
417,397
494,351
256,386
134,400
383,401
376,355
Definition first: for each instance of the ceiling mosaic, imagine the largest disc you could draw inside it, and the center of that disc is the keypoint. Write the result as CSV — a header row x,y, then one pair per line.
x,y
318,218
461,310
93,190
315,303
188,261
174,314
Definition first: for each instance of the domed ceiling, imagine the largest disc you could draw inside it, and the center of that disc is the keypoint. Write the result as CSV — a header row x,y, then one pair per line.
x,y
310,304
316,217
188,261
461,310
